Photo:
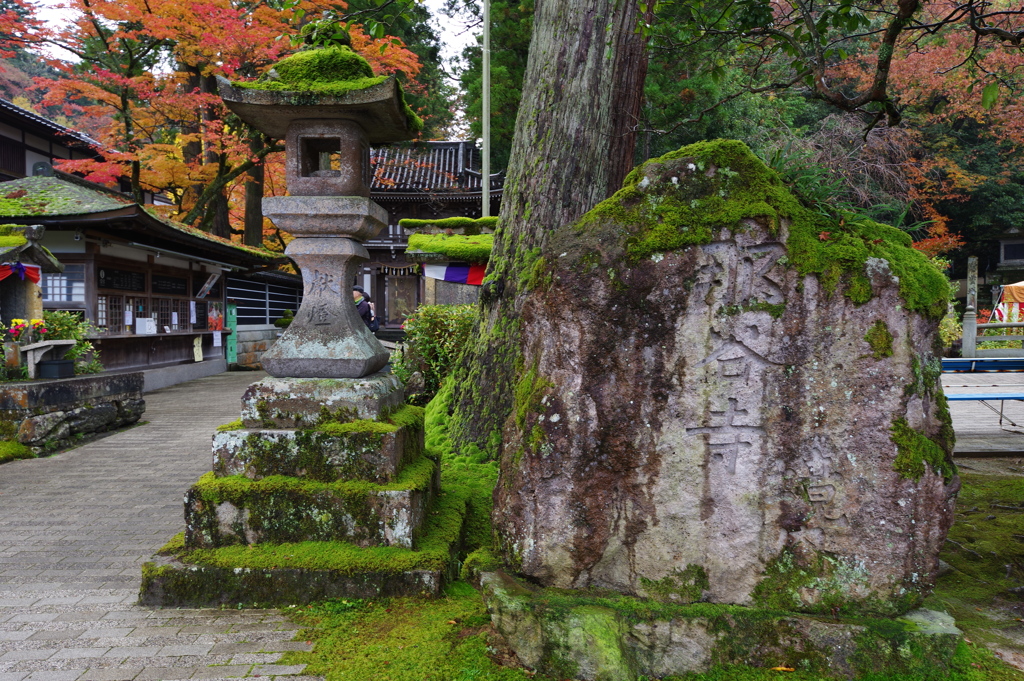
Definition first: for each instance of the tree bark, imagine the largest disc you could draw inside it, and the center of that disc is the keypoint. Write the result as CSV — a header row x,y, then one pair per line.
x,y
253,233
574,142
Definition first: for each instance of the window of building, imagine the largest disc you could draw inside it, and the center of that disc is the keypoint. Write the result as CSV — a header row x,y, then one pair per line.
x,y
65,287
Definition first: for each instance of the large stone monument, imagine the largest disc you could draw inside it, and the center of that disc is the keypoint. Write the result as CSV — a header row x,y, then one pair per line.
x,y
728,398
325,459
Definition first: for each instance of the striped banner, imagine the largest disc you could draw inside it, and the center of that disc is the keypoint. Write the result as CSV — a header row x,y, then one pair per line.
x,y
456,272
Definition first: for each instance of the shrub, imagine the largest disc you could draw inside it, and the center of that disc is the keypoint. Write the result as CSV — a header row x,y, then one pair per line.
x,y
435,337
62,325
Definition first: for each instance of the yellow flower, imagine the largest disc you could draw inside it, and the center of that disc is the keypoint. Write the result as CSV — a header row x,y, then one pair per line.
x,y
15,322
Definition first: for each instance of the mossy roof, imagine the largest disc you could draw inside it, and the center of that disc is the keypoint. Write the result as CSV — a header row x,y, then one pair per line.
x,y
50,200
52,196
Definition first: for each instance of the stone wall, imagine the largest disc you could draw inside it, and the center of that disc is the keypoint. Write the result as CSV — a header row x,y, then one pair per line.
x,y
253,341
49,415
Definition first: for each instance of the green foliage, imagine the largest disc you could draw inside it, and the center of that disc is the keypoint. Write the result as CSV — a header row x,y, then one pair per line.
x,y
464,248
335,428
915,450
287,317
435,336
11,451
70,326
233,425
880,340
511,31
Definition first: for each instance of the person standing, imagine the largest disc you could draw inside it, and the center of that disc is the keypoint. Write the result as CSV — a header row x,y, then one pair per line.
x,y
365,308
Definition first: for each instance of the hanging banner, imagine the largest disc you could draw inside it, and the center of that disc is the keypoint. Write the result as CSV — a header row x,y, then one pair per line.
x,y
456,272
30,272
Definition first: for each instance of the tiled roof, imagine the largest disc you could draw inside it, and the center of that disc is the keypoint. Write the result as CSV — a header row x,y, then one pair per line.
x,y
428,167
73,136
51,196
49,199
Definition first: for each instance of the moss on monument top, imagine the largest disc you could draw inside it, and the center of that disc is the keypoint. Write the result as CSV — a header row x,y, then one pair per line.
x,y
466,248
330,70
686,198
333,71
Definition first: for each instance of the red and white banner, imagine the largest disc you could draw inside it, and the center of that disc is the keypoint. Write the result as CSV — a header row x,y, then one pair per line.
x,y
30,272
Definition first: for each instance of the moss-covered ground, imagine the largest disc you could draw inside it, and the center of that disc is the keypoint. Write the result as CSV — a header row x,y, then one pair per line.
x,y
12,451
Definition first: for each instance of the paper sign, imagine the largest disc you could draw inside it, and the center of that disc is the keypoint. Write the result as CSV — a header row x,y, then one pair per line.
x,y
174,319
129,319
216,339
210,281
191,312
197,348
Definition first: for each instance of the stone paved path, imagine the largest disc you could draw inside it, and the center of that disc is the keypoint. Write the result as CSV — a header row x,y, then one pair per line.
x,y
74,529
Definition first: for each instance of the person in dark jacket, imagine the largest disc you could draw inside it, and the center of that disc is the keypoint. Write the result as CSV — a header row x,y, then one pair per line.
x,y
362,305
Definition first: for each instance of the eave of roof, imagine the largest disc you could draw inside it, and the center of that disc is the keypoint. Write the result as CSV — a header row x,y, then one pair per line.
x,y
67,135
57,203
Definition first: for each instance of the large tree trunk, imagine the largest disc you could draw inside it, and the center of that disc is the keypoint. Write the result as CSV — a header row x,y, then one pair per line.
x,y
573,145
253,234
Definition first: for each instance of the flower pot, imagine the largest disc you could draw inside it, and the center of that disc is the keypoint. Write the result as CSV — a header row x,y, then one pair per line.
x,y
56,368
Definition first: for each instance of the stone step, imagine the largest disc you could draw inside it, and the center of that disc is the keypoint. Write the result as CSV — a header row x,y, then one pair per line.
x,y
376,454
236,510
306,402
299,573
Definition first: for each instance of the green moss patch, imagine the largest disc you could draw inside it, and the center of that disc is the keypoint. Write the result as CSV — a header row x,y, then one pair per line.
x,y
12,241
467,226
687,196
322,66
404,639
880,340
914,450
474,248
233,425
12,451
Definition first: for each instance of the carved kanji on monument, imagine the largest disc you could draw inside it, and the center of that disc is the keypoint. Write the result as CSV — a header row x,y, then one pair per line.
x,y
710,406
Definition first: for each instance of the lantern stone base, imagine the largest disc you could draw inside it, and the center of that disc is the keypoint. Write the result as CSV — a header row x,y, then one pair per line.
x,y
589,635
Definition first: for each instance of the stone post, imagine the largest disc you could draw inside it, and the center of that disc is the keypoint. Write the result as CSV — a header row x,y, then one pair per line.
x,y
969,346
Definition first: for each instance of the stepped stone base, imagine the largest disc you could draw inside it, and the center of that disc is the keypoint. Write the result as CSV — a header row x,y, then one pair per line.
x,y
305,402
167,582
586,637
313,455
228,511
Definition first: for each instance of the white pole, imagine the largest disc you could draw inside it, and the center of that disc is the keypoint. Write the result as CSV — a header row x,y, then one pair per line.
x,y
485,170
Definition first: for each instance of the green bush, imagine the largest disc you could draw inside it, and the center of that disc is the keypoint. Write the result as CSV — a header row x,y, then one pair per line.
x,y
435,337
62,325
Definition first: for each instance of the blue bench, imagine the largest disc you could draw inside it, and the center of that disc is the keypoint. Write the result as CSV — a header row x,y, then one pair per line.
x,y
985,398
979,364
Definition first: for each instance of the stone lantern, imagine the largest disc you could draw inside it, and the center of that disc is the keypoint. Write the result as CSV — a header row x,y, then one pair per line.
x,y
327,149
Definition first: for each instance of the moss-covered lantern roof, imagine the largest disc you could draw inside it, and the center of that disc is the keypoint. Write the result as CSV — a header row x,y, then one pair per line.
x,y
331,83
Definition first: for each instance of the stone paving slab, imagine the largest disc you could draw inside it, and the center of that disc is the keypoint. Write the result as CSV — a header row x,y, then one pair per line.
x,y
74,531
